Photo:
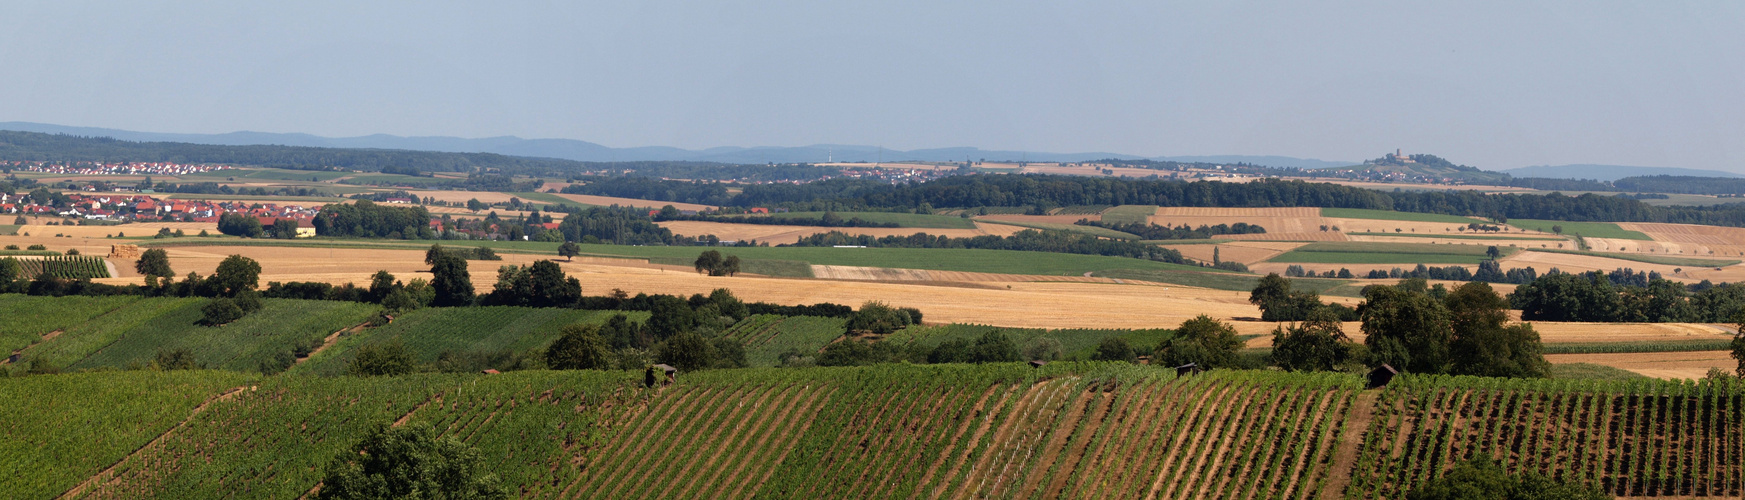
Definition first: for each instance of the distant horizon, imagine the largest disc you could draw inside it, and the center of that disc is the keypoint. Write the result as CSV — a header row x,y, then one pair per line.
x,y
848,153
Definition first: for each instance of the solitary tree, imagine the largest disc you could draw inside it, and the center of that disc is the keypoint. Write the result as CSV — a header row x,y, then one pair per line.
x,y
154,264
1203,341
1318,344
1493,252
1482,344
707,262
236,274
568,250
450,281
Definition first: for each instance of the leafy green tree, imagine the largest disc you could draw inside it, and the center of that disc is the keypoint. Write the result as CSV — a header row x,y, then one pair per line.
x,y
669,316
1406,329
569,250
993,347
1202,340
1044,349
1483,344
9,271
707,262
154,263
877,318
285,228
220,311
400,301
235,274
409,462
578,347
381,284
450,280
1317,344
387,358
1482,478
235,224
1115,349
687,351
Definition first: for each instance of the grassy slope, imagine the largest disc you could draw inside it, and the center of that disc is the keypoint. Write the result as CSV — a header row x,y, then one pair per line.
x,y
901,219
1216,281
1129,214
1351,252
432,331
1101,232
265,174
1460,236
1585,229
1364,213
1651,259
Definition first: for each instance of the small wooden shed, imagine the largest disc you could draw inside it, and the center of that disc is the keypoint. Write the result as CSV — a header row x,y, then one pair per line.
x,y
1381,375
1037,363
1188,369
672,374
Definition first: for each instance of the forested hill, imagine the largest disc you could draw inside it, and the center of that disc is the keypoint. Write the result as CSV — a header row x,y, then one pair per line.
x,y
30,146
1049,191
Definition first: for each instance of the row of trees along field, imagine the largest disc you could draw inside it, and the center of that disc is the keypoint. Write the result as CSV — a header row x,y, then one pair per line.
x,y
1409,326
1050,191
1028,240
1623,295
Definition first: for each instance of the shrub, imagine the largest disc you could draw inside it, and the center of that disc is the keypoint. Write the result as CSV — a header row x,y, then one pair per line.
x,y
175,359
388,358
1114,349
409,462
579,347
220,311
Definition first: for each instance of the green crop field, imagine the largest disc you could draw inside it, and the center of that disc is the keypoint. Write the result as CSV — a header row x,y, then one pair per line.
x,y
1591,371
430,332
1081,210
394,180
1364,213
1651,259
551,199
1129,214
59,430
1459,236
80,341
1215,281
1585,229
1354,252
1715,344
8,230
1101,232
239,346
900,219
266,174
27,318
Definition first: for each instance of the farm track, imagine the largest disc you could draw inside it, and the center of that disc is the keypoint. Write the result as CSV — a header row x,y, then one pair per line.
x,y
108,472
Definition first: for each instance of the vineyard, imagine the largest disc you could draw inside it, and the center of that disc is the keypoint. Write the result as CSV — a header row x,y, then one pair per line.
x,y
430,332
56,431
767,336
67,267
1076,342
1632,438
1064,430
29,318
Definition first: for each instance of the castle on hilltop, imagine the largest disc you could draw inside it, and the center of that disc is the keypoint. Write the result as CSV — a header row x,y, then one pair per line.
x,y
1398,157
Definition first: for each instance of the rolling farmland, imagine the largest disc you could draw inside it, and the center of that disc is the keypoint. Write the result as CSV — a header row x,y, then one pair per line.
x,y
430,332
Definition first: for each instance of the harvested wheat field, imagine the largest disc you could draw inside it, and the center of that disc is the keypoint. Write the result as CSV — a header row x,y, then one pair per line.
x,y
1245,252
859,273
1687,365
776,235
1558,332
134,229
1689,233
1275,220
1501,242
1574,263
1271,236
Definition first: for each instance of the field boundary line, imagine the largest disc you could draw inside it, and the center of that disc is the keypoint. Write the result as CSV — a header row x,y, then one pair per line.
x,y
94,479
331,339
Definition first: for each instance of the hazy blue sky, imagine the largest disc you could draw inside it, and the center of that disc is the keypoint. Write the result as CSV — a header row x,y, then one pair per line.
x,y
1491,84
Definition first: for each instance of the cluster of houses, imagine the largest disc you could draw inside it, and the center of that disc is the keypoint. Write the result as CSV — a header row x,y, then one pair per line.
x,y
122,207
129,168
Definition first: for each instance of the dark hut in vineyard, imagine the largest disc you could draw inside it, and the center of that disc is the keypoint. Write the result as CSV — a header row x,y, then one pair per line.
x,y
1188,369
1381,375
672,374
1037,363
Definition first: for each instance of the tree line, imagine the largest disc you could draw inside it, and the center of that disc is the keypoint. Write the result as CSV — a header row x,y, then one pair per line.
x,y
1183,232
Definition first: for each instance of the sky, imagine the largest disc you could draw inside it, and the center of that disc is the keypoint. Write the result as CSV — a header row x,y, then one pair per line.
x,y
1489,84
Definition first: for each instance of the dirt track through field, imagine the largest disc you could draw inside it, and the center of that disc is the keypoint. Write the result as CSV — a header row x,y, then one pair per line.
x,y
109,471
